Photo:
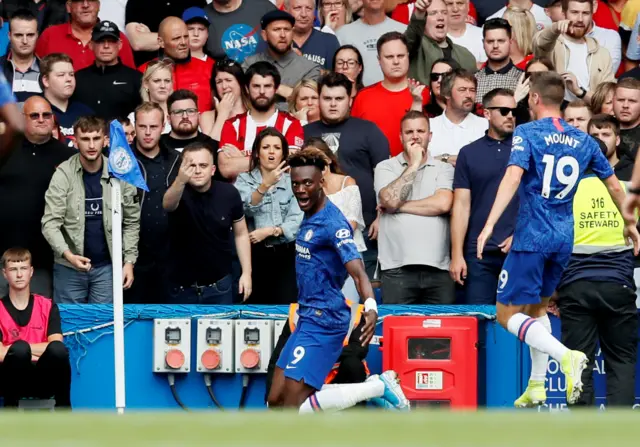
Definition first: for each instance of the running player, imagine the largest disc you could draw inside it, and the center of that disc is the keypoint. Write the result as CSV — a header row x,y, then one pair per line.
x,y
549,157
325,254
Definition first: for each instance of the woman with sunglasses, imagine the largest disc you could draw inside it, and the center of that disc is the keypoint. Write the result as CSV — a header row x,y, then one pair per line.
x,y
348,61
437,103
227,87
157,86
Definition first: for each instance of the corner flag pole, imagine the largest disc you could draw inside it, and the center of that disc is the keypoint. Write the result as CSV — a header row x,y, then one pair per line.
x,y
118,306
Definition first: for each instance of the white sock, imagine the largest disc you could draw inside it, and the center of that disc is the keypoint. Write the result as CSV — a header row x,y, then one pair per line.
x,y
539,359
339,397
536,335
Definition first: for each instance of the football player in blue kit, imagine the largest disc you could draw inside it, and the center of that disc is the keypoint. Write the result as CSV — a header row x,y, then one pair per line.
x,y
548,159
325,254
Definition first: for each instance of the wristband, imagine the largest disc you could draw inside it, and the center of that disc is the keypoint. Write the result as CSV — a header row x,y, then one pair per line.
x,y
370,304
635,191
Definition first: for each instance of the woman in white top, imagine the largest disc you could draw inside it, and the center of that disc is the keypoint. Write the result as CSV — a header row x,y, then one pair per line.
x,y
343,191
157,86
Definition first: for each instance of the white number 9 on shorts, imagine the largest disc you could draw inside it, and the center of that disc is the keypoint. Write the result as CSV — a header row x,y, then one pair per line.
x,y
504,277
298,353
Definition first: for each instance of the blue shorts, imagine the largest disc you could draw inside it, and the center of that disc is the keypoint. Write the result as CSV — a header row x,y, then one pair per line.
x,y
527,276
311,352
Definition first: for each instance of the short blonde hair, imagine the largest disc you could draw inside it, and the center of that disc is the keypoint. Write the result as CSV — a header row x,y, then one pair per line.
x,y
523,27
152,68
348,13
16,254
313,85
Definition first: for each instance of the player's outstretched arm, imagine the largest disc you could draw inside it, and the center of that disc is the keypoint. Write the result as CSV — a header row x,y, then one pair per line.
x,y
508,187
618,196
356,270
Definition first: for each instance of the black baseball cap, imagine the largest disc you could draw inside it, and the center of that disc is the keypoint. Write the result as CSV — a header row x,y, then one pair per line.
x,y
274,16
105,29
553,3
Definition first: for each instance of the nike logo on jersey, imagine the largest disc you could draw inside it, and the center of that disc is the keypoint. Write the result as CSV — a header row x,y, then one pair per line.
x,y
119,83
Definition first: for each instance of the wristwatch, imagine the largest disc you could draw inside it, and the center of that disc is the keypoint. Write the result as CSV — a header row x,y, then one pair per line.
x,y
582,94
445,158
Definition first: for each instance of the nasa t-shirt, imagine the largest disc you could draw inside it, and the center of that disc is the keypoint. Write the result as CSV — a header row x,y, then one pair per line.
x,y
236,34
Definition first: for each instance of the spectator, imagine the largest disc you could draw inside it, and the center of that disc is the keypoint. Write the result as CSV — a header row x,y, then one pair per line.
x,y
21,67
603,14
602,99
475,187
277,31
188,73
227,86
48,13
606,128
343,191
81,243
521,94
233,25
626,108
414,226
457,126
577,114
25,176
273,218
607,38
34,361
303,102
143,23
554,11
202,213
428,41
523,27
73,38
334,14
542,19
437,103
366,30
239,132
348,61
596,295
499,72
393,91
107,86
129,130
359,146
157,86
159,165
463,33
315,45
566,44
59,82
198,25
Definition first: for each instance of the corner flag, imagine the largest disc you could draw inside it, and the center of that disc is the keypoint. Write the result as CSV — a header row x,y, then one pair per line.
x,y
122,163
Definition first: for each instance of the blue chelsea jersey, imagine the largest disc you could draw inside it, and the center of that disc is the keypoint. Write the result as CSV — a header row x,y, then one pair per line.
x,y
555,157
324,245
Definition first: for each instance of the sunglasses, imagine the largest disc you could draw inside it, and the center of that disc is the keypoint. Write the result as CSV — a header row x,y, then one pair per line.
x,y
504,111
435,77
35,116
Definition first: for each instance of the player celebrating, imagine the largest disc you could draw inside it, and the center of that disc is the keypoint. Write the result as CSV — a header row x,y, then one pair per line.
x,y
549,157
325,254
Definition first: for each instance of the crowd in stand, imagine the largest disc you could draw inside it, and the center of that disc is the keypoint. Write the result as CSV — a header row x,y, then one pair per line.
x,y
412,102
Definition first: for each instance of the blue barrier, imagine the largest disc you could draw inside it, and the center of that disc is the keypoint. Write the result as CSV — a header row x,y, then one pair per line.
x,y
503,362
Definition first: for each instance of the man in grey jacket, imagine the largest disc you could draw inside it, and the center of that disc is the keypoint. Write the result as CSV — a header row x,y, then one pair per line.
x,y
77,222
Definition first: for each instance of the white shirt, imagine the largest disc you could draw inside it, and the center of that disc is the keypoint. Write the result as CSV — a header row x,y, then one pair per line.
x,y
113,10
577,64
542,19
449,138
472,41
609,39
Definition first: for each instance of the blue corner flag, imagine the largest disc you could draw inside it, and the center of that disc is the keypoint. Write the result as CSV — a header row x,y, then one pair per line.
x,y
122,163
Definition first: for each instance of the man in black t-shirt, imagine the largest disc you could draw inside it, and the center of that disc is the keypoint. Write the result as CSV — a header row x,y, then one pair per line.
x,y
202,214
33,359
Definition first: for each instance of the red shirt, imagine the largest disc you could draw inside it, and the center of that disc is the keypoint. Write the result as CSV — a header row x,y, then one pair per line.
x,y
522,65
402,13
603,17
60,39
385,109
195,75
241,130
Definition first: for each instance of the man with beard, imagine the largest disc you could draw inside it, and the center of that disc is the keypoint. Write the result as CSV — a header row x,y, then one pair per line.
x,y
475,185
499,72
359,146
183,114
239,132
457,126
581,61
277,31
188,73
626,107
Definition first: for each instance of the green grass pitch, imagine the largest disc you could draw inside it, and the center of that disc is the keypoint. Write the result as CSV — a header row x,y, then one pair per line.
x,y
367,429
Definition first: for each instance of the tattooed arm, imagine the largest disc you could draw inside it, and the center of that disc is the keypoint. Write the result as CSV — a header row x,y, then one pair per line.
x,y
397,192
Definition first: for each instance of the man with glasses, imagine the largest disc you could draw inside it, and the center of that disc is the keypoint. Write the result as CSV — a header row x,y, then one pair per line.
x,y
25,177
475,186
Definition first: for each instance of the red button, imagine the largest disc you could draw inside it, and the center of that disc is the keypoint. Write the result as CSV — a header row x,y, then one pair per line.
x,y
250,358
174,358
210,359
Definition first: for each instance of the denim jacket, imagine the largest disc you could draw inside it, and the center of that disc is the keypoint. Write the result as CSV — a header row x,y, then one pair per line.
x,y
278,207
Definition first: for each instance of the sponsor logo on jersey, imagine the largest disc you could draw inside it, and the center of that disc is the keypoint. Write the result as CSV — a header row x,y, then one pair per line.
x,y
517,148
303,252
517,139
341,234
